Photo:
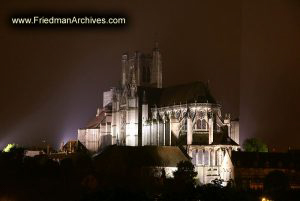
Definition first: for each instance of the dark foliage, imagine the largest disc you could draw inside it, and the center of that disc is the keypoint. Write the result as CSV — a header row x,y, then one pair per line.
x,y
40,178
76,178
254,145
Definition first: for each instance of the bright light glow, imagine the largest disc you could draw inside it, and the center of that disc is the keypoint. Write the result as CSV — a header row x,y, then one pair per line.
x,y
8,147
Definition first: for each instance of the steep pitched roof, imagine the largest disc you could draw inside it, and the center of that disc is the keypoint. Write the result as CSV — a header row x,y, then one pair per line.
x,y
96,121
75,145
185,93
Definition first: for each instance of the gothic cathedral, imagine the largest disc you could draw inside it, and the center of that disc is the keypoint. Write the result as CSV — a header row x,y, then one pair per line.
x,y
140,112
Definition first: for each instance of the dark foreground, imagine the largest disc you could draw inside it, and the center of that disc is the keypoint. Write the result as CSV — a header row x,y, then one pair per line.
x,y
79,178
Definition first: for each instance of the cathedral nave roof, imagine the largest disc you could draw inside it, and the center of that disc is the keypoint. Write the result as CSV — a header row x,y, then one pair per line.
x,y
179,94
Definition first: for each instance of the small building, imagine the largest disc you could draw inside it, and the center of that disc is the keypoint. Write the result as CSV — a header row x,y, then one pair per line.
x,y
33,152
73,146
68,150
140,159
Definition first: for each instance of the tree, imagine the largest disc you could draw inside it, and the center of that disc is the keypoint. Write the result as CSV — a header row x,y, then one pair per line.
x,y
254,145
182,187
9,147
185,173
217,182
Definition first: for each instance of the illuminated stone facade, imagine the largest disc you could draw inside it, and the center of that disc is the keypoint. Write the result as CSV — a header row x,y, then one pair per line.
x,y
141,112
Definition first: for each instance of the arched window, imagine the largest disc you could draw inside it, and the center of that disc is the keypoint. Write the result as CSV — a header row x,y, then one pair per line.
x,y
200,157
201,124
194,153
212,158
198,124
218,157
206,157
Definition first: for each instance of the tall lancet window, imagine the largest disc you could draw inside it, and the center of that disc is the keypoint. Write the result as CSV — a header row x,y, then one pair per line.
x,y
146,74
201,124
200,157
206,157
194,153
184,125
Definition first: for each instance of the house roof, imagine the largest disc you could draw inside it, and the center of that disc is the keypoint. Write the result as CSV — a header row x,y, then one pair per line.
x,y
141,156
78,146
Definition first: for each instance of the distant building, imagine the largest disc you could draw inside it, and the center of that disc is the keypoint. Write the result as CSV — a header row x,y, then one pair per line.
x,y
251,168
68,150
73,146
33,153
142,112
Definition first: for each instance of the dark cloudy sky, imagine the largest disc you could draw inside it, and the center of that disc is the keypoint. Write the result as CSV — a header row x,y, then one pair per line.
x,y
52,79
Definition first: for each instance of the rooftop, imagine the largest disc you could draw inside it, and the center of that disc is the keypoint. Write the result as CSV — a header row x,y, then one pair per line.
x,y
179,94
266,160
141,156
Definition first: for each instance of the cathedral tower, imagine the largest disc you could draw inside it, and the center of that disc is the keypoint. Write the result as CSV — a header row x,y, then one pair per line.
x,y
145,68
156,74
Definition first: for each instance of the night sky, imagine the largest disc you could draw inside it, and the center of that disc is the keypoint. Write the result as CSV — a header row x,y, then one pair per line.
x,y
52,79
